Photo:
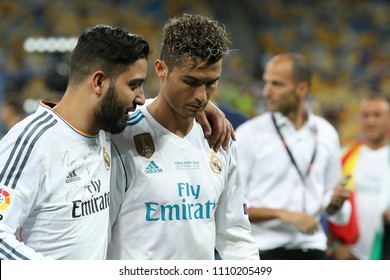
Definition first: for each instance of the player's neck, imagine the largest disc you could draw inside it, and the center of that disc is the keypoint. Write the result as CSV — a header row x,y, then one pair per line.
x,y
75,113
169,118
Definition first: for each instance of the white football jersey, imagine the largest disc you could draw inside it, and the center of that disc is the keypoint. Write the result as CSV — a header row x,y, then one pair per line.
x,y
179,199
55,193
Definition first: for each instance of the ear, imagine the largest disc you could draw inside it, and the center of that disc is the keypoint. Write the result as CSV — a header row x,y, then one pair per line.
x,y
161,68
303,89
98,82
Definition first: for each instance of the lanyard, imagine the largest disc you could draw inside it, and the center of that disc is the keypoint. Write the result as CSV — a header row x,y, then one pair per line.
x,y
302,175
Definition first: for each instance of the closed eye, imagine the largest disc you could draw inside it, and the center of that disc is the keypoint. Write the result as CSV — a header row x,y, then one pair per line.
x,y
198,83
212,83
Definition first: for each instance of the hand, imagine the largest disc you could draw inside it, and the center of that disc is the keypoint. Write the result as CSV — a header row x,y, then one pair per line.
x,y
301,220
340,194
216,128
342,252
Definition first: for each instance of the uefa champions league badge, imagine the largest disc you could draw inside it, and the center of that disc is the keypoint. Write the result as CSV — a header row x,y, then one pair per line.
x,y
215,163
6,197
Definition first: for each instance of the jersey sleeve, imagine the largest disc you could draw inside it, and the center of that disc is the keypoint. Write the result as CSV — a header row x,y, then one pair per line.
x,y
21,178
234,239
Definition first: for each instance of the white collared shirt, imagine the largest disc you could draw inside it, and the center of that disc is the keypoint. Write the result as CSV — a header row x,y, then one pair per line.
x,y
272,181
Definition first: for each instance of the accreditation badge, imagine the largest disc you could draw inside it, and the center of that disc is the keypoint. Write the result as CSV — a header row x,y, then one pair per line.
x,y
144,144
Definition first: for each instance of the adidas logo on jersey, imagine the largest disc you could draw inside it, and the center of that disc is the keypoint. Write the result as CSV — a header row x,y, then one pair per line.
x,y
152,168
72,177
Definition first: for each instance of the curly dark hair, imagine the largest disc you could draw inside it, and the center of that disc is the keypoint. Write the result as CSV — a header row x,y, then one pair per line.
x,y
194,38
106,48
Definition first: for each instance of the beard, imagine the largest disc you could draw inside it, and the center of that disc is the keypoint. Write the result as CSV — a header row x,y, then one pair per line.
x,y
110,113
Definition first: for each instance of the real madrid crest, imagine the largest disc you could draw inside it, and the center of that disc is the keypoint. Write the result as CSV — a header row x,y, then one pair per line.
x,y
144,144
215,163
106,157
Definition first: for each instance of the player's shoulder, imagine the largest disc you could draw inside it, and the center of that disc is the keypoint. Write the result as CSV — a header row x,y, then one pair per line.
x,y
136,123
229,152
34,126
136,117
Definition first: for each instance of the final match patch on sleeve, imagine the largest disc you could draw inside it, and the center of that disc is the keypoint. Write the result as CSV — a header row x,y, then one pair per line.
x,y
6,198
245,207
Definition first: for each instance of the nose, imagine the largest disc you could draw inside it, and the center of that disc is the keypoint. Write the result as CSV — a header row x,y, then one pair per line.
x,y
266,90
201,94
140,96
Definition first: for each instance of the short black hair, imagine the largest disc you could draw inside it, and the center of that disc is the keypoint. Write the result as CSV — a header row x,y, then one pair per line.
x,y
106,48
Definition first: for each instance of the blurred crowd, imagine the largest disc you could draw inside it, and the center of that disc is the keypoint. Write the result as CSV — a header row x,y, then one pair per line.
x,y
347,42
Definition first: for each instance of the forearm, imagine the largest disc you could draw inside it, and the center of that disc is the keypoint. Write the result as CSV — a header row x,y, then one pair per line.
x,y
264,214
301,220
